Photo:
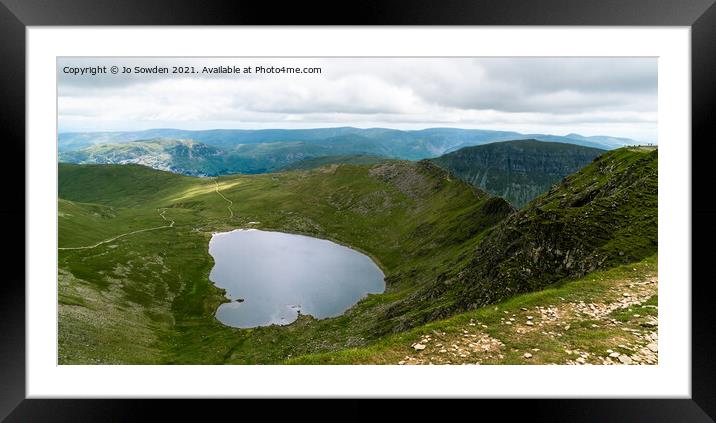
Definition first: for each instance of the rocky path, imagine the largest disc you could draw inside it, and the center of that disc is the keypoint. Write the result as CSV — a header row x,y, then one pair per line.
x,y
170,225
231,203
620,330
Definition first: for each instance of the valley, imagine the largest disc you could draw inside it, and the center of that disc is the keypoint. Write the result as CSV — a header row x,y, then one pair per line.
x,y
134,263
224,152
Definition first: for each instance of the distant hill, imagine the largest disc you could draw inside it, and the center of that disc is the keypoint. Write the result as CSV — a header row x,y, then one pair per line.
x,y
228,151
608,142
179,156
518,170
423,143
189,157
192,158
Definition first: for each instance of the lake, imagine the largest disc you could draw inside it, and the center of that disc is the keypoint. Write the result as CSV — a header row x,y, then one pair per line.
x,y
272,276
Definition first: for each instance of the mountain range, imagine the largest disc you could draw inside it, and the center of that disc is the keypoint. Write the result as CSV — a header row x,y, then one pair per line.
x,y
221,152
431,141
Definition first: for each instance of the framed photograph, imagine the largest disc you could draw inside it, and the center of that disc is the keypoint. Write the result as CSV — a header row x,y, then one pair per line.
x,y
444,201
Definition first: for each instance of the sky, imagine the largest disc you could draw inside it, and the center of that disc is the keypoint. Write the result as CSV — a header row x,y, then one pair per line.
x,y
589,96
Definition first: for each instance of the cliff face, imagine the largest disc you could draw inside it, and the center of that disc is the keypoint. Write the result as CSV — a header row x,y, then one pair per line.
x,y
517,170
602,216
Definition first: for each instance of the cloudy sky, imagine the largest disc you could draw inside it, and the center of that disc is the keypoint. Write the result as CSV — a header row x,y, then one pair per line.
x,y
590,96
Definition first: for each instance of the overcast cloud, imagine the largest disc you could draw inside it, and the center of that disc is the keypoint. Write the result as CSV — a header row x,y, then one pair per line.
x,y
590,96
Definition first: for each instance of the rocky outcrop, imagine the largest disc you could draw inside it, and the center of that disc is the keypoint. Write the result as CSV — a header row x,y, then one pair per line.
x,y
517,170
602,216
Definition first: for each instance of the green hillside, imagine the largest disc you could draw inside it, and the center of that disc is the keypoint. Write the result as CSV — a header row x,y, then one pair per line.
x,y
118,185
584,321
600,217
517,171
409,217
445,247
356,159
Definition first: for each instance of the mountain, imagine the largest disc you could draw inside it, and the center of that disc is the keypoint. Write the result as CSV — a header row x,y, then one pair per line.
x,y
192,158
179,156
425,143
517,171
223,152
225,138
600,217
422,143
133,263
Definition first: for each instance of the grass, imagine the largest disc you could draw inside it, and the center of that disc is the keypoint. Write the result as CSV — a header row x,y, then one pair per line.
x,y
164,273
598,287
316,162
147,298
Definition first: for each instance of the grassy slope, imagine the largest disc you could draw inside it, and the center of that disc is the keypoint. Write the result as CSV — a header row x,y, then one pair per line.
x,y
588,317
86,224
162,275
597,218
313,163
432,228
120,185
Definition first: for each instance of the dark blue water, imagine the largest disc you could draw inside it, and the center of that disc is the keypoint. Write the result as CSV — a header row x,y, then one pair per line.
x,y
278,274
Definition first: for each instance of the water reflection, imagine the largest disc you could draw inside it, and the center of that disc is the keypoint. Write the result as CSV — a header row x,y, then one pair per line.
x,y
278,275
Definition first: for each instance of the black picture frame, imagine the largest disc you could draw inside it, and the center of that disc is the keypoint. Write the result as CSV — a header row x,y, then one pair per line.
x,y
16,15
